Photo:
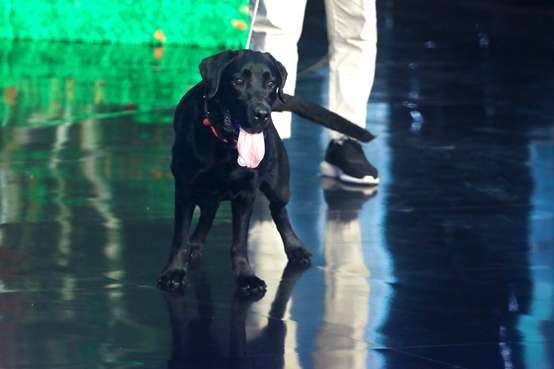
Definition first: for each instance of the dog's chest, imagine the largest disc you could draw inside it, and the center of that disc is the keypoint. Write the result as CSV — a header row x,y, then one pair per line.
x,y
225,179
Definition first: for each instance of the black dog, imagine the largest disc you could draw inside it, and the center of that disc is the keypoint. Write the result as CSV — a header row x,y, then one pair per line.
x,y
226,148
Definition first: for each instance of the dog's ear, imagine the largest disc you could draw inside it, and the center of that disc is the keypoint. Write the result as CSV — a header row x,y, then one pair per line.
x,y
282,74
212,67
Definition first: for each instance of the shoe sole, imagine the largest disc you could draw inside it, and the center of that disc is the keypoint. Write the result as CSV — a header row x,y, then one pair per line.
x,y
330,170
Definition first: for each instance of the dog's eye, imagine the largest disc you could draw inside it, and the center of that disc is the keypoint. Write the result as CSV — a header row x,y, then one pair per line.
x,y
238,82
270,84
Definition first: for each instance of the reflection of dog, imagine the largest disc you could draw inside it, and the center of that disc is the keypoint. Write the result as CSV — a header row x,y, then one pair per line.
x,y
201,341
226,148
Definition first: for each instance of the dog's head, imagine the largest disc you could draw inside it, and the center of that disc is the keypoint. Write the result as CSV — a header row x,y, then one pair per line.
x,y
246,83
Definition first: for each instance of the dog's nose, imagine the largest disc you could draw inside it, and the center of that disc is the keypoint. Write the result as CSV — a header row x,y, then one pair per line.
x,y
261,114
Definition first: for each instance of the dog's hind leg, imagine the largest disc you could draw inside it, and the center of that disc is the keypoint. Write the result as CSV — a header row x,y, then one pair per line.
x,y
248,284
173,274
198,238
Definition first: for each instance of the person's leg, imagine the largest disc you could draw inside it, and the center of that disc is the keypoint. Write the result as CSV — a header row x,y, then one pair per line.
x,y
276,30
352,32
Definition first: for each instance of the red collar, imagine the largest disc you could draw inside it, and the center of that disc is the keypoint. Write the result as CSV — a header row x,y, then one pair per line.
x,y
206,123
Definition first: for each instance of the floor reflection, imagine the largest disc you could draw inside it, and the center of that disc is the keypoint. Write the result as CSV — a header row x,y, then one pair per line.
x,y
72,141
457,214
537,323
347,288
206,336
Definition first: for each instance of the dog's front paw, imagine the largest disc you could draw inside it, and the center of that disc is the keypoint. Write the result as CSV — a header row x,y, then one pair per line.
x,y
172,279
251,287
299,256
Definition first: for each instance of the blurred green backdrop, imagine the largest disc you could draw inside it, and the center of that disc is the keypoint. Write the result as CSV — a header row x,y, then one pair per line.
x,y
218,23
50,83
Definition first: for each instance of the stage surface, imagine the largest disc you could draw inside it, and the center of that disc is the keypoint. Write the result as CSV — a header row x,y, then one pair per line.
x,y
448,263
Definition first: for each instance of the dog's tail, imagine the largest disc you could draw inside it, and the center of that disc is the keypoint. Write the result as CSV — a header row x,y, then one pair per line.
x,y
319,114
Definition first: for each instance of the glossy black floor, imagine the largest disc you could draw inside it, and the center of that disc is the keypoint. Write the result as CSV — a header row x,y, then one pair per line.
x,y
449,264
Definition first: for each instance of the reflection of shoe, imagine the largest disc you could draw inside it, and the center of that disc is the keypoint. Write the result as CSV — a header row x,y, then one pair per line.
x,y
340,196
345,160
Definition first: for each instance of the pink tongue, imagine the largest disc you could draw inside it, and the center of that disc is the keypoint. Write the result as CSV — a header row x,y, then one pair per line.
x,y
251,148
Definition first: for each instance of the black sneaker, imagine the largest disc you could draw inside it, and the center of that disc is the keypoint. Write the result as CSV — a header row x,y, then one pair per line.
x,y
345,160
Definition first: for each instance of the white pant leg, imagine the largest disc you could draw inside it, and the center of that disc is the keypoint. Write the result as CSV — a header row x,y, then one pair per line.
x,y
352,32
276,30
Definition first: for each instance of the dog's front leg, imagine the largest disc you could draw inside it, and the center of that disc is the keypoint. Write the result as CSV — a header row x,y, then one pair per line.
x,y
198,238
248,284
173,274
278,195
